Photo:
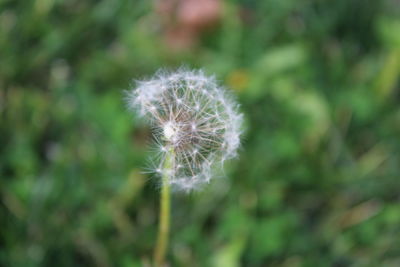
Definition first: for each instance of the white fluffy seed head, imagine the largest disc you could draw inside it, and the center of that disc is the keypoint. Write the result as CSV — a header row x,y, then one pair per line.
x,y
193,117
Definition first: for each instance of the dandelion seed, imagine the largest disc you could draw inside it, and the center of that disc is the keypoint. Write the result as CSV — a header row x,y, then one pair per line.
x,y
193,117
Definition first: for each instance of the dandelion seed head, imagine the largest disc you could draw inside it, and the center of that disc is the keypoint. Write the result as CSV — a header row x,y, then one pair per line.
x,y
193,117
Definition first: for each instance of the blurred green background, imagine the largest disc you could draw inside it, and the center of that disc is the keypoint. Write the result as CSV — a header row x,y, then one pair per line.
x,y
317,182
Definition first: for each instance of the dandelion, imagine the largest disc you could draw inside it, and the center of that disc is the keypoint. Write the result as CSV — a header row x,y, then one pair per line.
x,y
195,122
196,126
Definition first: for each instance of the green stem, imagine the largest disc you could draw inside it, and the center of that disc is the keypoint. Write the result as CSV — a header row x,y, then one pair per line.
x,y
164,221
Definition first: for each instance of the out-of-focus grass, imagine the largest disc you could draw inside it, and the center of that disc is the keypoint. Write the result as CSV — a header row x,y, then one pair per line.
x,y
317,181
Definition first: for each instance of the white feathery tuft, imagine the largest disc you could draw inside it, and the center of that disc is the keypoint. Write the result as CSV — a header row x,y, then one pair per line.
x,y
193,117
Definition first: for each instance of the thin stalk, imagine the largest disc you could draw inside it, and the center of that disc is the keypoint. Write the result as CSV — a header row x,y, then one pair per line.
x,y
164,221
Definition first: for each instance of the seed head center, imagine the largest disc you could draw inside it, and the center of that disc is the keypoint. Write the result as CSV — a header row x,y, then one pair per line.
x,y
170,131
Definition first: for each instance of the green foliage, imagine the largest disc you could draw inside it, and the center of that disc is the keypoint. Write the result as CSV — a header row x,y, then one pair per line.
x,y
317,181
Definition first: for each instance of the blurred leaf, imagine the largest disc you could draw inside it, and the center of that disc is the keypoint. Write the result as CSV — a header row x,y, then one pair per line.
x,y
229,255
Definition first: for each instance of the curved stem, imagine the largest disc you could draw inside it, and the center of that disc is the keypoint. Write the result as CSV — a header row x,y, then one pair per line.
x,y
164,221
